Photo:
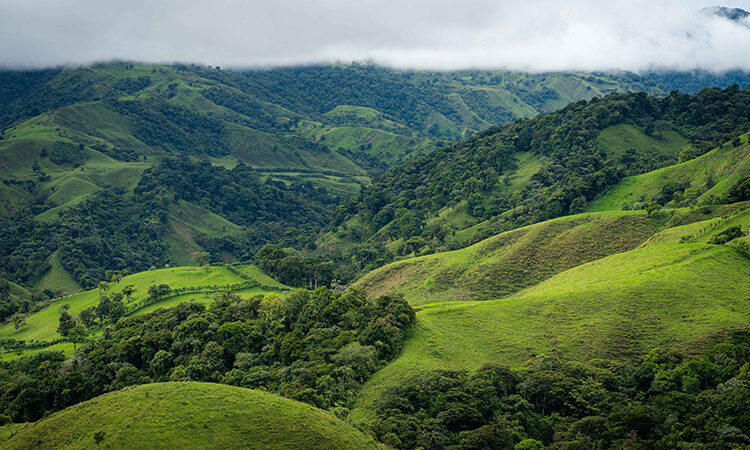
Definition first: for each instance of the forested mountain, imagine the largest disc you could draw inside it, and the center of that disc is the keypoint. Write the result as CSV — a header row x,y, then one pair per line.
x,y
537,169
196,158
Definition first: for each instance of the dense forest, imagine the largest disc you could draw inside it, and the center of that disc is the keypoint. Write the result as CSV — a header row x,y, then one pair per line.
x,y
666,400
314,346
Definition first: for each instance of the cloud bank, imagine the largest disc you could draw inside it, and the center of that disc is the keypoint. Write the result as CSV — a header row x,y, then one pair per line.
x,y
532,35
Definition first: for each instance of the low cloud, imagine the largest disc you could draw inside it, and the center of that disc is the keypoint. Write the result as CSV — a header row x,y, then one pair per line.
x,y
534,35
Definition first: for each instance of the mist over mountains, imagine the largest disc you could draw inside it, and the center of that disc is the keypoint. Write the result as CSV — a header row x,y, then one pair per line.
x,y
539,35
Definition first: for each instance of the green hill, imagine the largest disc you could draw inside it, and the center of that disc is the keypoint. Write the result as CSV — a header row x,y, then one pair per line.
x,y
703,180
506,263
190,415
550,289
550,166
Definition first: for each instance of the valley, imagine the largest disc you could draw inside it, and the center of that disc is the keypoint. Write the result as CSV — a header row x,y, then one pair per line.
x,y
470,259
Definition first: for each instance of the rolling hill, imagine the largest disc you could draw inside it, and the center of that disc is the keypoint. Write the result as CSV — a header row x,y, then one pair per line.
x,y
71,137
190,415
706,179
658,293
550,166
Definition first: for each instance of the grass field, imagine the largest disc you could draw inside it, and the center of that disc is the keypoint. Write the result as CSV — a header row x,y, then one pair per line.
x,y
615,140
42,325
189,415
678,297
511,261
715,172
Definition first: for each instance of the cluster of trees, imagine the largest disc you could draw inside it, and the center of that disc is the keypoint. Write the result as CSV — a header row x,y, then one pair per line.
x,y
109,231
288,267
241,195
66,153
575,168
314,346
110,309
666,400
272,211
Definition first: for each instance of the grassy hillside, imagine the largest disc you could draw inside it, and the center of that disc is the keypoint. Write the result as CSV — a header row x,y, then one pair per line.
x,y
676,297
205,281
617,139
190,415
511,261
705,179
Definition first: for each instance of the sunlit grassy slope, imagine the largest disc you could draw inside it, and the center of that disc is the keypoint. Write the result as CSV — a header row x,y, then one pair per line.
x,y
678,297
511,261
715,172
190,415
42,325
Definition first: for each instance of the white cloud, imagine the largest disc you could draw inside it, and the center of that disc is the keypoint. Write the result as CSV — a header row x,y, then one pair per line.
x,y
536,35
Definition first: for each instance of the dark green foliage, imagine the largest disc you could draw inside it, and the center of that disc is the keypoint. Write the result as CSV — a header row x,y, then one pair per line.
x,y
665,401
292,269
13,303
740,191
67,153
241,195
314,346
109,309
25,94
113,231
104,233
173,128
319,89
575,168
727,235
695,80
66,323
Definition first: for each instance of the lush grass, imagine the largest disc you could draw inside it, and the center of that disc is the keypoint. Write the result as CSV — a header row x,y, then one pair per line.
x,y
191,415
7,431
615,140
714,173
42,325
703,231
57,278
511,261
65,347
678,297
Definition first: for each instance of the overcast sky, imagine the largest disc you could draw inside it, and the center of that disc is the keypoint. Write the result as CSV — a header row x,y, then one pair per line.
x,y
536,35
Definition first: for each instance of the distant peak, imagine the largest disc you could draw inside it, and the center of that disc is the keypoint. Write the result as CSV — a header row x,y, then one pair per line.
x,y
734,14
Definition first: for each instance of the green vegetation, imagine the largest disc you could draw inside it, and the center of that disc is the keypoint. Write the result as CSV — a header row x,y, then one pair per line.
x,y
665,400
76,141
536,263
42,325
617,306
506,263
190,415
578,153
704,180
313,346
